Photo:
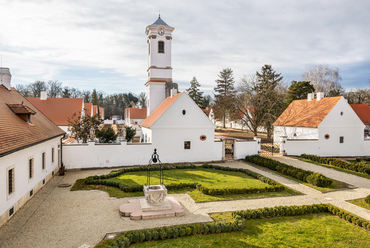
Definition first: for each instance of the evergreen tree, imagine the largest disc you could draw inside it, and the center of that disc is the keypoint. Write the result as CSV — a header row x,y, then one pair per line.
x,y
267,87
225,95
195,93
94,98
298,90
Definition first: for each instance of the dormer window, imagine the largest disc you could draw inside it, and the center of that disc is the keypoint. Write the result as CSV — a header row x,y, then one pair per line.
x,y
160,46
23,111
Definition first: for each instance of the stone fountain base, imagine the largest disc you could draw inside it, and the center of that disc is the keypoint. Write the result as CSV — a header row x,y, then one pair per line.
x,y
133,209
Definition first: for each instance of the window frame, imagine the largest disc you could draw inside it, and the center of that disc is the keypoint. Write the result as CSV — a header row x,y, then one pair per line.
x,y
10,194
160,50
187,145
52,155
31,168
43,160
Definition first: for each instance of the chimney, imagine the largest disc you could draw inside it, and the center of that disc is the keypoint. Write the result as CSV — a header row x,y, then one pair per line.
x,y
44,95
173,92
320,95
310,96
5,77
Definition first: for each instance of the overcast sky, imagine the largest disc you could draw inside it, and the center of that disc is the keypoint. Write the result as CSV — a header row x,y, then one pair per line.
x,y
102,44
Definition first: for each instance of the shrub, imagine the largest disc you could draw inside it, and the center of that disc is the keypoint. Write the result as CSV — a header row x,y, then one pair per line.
x,y
319,180
288,170
360,166
367,199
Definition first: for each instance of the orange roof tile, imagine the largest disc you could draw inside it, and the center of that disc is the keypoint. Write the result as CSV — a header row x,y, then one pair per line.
x,y
58,109
136,113
15,133
87,107
207,111
363,112
303,113
159,111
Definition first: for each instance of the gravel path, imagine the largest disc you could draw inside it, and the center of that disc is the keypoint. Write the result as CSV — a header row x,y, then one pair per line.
x,y
58,217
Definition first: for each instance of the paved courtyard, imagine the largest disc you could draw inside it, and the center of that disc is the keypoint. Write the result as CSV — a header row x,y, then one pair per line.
x,y
58,217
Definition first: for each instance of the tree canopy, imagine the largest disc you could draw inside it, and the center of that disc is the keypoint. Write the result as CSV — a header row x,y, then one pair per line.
x,y
298,90
225,94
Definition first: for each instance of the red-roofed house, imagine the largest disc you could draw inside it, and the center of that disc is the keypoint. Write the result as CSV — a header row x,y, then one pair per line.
x,y
363,112
134,116
58,110
29,144
322,126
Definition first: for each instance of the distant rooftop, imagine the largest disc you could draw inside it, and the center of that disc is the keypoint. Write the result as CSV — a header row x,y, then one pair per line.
x,y
159,21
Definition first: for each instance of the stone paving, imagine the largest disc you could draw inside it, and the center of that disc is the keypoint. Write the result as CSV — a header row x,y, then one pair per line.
x,y
58,217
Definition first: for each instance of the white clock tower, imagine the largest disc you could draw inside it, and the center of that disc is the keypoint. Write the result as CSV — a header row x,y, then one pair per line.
x,y
159,36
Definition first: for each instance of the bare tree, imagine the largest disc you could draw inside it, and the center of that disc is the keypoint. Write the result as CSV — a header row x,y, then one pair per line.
x,y
36,88
325,79
23,90
142,100
55,88
359,96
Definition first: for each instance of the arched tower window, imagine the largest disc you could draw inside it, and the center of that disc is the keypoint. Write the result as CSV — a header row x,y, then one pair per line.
x,y
160,47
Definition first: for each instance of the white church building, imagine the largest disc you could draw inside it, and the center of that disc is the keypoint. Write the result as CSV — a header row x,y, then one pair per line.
x,y
175,125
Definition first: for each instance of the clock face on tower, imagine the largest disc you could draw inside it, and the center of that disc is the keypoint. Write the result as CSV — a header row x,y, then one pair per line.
x,y
161,31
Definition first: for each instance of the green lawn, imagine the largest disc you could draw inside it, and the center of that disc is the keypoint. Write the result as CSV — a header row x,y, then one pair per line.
x,y
315,230
336,185
210,178
361,203
336,168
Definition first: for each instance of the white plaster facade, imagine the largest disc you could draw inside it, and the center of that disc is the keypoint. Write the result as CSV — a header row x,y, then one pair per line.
x,y
19,162
341,133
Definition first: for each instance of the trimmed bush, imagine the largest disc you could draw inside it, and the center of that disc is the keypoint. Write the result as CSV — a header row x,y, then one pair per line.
x,y
360,166
285,169
367,199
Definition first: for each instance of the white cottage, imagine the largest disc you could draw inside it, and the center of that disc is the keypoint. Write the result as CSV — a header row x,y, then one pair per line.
x,y
322,126
29,149
179,124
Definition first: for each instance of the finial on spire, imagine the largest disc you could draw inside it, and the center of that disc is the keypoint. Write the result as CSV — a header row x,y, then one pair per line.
x,y
159,14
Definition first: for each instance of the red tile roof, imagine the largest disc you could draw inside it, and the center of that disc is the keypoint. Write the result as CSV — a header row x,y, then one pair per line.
x,y
135,113
303,113
87,107
159,111
15,133
207,111
58,109
21,109
363,112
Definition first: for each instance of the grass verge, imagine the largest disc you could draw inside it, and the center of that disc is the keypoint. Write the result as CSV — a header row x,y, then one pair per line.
x,y
361,203
335,168
313,230
336,185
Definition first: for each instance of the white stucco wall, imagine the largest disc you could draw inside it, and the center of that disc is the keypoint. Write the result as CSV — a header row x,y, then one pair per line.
x,y
23,185
341,121
295,133
245,148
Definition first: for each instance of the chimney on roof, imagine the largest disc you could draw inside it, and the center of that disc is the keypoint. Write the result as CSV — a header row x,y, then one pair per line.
x,y
44,95
310,96
173,92
320,95
5,77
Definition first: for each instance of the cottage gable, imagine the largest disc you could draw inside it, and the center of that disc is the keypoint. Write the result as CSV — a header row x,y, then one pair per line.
x,y
178,112
303,113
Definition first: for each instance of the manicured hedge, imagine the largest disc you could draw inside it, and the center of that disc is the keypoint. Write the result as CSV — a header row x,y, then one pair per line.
x,y
300,210
303,175
131,237
359,167
162,233
275,186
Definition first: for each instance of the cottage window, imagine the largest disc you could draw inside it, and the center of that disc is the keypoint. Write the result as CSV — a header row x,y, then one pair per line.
x,y
186,144
43,161
160,47
30,168
52,155
11,185
341,139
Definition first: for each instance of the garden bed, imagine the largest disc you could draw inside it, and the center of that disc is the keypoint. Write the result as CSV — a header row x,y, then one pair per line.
x,y
206,183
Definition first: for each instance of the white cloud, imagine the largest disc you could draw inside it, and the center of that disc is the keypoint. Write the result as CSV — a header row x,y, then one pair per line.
x,y
40,40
